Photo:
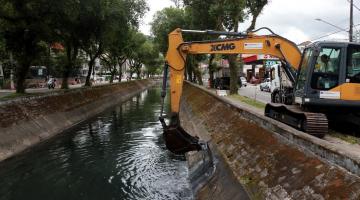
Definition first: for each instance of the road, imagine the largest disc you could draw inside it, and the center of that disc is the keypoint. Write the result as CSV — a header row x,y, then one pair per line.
x,y
4,93
254,92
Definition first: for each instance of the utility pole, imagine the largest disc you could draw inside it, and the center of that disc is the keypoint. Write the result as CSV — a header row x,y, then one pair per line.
x,y
351,22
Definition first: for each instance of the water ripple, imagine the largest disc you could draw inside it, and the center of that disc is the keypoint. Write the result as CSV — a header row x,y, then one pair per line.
x,y
117,155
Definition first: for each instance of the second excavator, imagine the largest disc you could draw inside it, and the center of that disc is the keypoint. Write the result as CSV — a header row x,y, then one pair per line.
x,y
316,86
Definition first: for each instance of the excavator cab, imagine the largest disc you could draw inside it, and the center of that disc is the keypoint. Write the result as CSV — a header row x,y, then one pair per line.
x,y
328,77
327,87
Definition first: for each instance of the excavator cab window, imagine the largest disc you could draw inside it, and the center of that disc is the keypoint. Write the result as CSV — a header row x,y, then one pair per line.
x,y
326,71
353,64
303,69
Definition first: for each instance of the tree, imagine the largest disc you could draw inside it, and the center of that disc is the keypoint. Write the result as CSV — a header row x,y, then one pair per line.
x,y
135,53
110,62
255,7
201,15
233,14
84,24
163,23
178,3
103,17
150,57
24,25
168,20
224,15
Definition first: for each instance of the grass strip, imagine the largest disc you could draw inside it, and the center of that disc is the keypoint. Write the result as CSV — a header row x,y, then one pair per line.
x,y
17,95
248,101
347,138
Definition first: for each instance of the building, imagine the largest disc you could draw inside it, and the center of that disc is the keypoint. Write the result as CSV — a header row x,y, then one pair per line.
x,y
303,45
258,65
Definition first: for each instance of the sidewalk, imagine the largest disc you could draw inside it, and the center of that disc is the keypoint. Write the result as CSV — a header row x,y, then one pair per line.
x,y
6,92
233,99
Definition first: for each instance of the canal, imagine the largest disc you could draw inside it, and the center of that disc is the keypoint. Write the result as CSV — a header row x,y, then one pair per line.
x,y
118,154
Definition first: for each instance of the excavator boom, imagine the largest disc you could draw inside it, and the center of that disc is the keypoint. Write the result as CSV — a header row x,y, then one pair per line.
x,y
250,43
176,138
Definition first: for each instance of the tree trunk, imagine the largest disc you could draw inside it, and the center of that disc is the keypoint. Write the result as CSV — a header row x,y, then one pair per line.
x,y
121,61
25,60
113,72
71,54
91,68
138,73
233,74
21,77
120,73
211,70
197,72
233,65
96,53
66,74
253,22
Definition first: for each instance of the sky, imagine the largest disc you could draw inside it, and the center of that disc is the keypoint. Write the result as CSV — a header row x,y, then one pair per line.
x,y
293,19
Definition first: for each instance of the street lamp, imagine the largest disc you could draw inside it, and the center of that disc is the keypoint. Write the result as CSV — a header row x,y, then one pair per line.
x,y
321,20
341,29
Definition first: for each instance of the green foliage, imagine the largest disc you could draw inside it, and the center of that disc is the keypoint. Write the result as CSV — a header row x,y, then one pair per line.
x,y
29,27
163,23
24,24
255,7
216,14
249,101
151,58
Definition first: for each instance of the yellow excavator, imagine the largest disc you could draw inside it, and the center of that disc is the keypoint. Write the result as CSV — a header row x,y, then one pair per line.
x,y
320,83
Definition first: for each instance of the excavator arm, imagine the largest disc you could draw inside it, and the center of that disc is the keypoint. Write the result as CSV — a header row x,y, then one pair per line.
x,y
176,139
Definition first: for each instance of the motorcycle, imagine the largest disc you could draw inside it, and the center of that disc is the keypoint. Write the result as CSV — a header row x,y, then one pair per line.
x,y
51,83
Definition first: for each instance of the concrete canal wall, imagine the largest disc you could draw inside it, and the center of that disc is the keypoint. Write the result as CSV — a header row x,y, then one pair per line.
x,y
27,121
264,158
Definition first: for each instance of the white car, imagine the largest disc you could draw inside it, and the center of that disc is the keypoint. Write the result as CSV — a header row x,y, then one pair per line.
x,y
265,85
243,81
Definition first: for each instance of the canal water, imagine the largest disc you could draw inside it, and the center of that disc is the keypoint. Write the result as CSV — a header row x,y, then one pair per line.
x,y
119,154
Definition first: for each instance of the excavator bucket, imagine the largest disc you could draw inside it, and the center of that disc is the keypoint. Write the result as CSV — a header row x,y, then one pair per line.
x,y
177,140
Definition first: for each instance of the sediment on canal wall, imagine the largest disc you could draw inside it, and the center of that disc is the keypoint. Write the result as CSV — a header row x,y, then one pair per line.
x,y
265,158
27,121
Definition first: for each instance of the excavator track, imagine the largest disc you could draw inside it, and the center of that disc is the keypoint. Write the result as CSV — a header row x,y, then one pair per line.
x,y
312,123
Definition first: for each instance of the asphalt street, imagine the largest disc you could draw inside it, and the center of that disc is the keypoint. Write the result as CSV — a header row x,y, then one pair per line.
x,y
44,90
254,92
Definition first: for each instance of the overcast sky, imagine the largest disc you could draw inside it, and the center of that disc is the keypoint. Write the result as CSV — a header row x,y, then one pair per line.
x,y
293,19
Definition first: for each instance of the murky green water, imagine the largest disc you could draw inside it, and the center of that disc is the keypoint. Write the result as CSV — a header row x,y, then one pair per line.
x,y
116,155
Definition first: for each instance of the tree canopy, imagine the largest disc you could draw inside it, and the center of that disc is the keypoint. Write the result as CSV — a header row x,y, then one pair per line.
x,y
83,25
164,22
201,15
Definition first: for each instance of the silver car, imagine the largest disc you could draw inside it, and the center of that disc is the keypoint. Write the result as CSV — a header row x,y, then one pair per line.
x,y
243,81
265,85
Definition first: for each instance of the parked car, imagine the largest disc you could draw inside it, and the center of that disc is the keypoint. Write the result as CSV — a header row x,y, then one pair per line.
x,y
243,81
265,85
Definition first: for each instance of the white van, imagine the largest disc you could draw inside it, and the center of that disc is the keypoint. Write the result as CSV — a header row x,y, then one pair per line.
x,y
275,80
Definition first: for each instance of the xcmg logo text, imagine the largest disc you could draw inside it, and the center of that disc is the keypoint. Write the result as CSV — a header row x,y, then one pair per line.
x,y
222,47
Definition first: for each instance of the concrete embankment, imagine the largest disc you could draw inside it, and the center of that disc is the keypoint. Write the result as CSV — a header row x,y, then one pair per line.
x,y
27,121
260,157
